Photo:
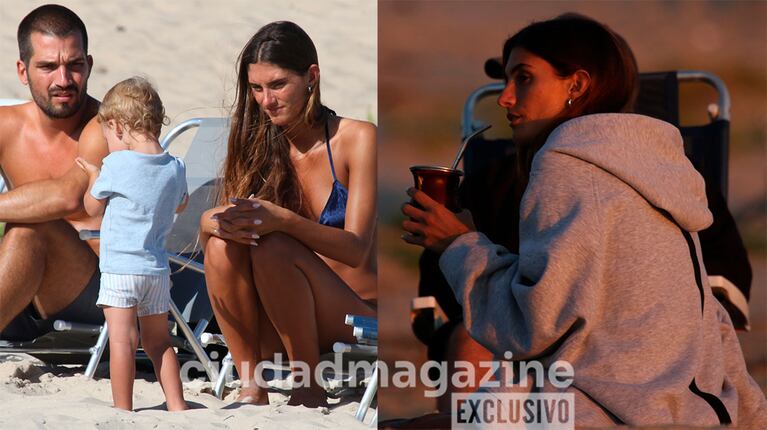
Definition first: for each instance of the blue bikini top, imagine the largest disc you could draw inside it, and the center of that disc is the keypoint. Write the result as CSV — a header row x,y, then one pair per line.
x,y
334,213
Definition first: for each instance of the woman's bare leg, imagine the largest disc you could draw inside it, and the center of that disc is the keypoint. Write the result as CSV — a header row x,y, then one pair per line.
x,y
236,305
461,347
306,302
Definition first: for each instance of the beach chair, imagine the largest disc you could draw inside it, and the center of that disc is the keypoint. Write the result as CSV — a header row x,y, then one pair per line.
x,y
365,330
487,160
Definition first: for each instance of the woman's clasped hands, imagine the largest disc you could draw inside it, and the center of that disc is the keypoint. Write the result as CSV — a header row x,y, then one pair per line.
x,y
246,220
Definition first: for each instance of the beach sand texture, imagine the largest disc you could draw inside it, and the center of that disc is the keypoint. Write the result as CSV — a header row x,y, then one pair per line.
x,y
188,50
36,396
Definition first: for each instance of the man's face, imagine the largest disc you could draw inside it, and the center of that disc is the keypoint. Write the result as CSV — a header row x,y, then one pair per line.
x,y
57,73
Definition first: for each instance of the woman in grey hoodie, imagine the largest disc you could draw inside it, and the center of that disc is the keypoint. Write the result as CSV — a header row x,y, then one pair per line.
x,y
609,276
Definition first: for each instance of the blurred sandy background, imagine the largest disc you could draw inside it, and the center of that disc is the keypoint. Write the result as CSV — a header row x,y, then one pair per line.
x,y
189,50
431,56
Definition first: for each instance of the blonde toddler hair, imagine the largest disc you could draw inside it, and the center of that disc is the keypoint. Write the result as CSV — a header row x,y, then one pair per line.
x,y
135,104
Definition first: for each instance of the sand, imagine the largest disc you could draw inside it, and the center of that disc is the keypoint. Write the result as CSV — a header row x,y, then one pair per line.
x,y
188,50
35,395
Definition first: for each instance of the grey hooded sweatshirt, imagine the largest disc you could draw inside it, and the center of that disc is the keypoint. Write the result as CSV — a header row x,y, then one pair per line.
x,y
606,281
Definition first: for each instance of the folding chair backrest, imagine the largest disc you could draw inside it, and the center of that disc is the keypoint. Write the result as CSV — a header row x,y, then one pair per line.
x,y
707,146
203,159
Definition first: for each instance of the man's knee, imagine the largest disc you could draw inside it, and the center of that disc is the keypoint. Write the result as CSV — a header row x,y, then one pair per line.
x,y
30,235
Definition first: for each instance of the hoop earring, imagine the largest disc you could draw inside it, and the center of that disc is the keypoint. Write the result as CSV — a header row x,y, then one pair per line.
x,y
570,102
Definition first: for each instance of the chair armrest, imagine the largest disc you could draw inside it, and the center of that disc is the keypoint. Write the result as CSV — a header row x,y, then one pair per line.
x,y
89,234
426,316
733,300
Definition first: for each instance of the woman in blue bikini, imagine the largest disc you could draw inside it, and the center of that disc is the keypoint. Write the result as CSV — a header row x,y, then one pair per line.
x,y
291,249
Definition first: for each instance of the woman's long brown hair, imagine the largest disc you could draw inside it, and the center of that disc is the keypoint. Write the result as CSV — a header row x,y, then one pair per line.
x,y
258,153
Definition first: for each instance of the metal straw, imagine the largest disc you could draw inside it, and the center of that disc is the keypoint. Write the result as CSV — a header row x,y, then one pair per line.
x,y
464,143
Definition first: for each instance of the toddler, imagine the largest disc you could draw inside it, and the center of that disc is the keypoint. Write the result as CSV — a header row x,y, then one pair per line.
x,y
137,189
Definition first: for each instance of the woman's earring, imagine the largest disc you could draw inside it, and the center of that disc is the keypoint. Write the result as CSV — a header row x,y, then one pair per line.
x,y
569,102
309,88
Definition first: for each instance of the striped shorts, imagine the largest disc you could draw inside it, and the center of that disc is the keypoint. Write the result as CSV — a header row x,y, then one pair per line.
x,y
150,294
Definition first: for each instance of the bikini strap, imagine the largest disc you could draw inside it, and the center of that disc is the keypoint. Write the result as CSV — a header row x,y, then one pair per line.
x,y
330,155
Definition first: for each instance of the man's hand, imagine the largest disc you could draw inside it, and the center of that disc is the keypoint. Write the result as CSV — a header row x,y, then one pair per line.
x,y
434,227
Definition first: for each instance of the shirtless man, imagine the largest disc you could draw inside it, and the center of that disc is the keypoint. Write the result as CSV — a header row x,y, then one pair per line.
x,y
46,272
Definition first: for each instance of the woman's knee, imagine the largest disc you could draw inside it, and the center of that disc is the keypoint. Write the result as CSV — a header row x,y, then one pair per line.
x,y
224,255
275,250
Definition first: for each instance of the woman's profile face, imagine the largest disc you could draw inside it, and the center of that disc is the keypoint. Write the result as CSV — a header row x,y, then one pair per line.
x,y
534,95
281,93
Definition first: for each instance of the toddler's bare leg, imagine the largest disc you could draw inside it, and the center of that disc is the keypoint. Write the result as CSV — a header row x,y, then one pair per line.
x,y
156,343
123,340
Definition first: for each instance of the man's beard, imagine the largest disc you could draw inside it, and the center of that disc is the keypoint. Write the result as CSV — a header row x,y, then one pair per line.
x,y
43,101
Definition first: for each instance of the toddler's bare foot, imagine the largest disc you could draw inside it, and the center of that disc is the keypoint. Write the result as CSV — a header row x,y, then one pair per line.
x,y
177,406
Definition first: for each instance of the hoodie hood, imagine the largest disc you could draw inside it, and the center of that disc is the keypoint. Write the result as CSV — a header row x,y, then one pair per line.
x,y
645,153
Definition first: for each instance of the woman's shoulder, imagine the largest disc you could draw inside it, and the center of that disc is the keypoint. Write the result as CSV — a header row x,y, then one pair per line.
x,y
355,128
354,133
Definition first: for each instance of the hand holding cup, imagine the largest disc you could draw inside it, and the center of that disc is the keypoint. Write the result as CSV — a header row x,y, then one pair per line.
x,y
432,225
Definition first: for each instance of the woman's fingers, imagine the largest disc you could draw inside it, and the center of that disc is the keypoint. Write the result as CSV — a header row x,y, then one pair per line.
x,y
238,231
422,198
413,239
414,228
236,237
246,222
434,227
245,204
412,211
237,211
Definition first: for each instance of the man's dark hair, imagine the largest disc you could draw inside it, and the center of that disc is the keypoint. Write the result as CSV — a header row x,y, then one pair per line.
x,y
51,19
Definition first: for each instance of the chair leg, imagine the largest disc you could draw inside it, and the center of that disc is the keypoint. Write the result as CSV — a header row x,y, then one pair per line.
x,y
194,343
367,398
226,368
97,351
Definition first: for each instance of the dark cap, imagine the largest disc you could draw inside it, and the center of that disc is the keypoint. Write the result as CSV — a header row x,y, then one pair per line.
x,y
494,68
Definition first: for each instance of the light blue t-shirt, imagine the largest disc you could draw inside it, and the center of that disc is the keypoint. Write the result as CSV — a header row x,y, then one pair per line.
x,y
144,191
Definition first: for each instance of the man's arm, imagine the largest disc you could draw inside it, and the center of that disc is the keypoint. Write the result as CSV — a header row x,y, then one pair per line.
x,y
51,199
